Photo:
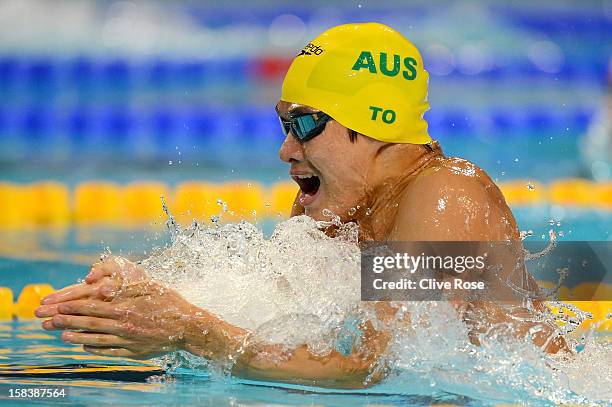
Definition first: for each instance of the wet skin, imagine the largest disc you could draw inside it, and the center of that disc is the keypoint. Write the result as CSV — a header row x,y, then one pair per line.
x,y
395,192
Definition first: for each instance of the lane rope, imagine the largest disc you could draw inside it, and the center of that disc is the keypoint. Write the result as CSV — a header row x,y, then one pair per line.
x,y
51,203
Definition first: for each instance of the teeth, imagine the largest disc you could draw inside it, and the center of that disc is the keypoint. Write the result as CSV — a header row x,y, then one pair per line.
x,y
304,176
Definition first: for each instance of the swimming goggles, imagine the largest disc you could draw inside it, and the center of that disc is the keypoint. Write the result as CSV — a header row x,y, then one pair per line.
x,y
304,126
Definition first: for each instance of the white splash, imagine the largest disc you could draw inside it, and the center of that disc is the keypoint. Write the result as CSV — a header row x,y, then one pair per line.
x,y
293,288
300,286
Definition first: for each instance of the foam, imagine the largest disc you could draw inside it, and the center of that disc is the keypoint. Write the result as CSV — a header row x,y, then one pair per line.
x,y
300,286
293,288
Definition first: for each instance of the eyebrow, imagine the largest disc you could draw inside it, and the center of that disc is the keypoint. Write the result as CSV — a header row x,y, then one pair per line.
x,y
297,110
302,109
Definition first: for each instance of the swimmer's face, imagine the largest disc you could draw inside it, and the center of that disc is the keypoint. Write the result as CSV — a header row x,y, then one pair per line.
x,y
329,169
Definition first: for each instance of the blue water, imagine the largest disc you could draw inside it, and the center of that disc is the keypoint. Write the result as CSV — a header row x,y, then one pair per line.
x,y
60,258
24,343
124,119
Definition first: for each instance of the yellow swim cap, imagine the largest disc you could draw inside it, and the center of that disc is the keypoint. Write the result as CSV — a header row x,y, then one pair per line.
x,y
368,77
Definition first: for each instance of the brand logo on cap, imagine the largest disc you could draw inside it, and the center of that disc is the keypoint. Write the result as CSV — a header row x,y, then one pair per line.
x,y
311,49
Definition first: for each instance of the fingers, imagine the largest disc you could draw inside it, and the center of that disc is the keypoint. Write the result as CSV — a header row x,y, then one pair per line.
x,y
116,352
96,339
113,267
79,291
92,308
45,311
89,307
99,271
134,273
83,323
141,288
48,326
70,292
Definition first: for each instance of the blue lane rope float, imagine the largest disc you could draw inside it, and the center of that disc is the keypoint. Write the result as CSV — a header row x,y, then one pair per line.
x,y
123,127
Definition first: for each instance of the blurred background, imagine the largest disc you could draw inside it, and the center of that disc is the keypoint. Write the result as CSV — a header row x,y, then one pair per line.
x,y
107,105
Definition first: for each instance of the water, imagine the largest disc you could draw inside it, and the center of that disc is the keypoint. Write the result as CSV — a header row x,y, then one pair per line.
x,y
277,287
274,286
431,353
523,119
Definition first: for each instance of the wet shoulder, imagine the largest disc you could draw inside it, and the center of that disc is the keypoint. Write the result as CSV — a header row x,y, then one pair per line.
x,y
454,173
454,199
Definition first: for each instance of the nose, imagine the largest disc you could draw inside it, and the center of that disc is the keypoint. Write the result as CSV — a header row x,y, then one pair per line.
x,y
291,150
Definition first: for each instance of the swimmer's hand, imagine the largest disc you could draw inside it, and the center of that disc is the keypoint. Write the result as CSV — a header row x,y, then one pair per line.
x,y
120,312
107,305
103,280
145,319
142,320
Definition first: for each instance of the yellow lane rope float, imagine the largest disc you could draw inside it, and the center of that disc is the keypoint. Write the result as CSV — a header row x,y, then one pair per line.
x,y
599,318
27,302
7,307
600,311
52,204
29,299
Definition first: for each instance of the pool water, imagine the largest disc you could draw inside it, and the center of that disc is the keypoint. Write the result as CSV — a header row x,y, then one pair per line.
x,y
133,383
61,258
513,88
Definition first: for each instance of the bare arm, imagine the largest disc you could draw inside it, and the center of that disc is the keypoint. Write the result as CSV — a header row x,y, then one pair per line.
x,y
448,205
259,361
145,319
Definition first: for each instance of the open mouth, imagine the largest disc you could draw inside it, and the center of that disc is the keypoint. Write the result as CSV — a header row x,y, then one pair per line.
x,y
309,186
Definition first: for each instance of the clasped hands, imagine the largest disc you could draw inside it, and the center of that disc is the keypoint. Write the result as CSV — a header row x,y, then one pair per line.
x,y
118,311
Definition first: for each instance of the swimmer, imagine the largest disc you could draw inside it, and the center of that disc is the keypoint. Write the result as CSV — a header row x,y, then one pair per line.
x,y
351,108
